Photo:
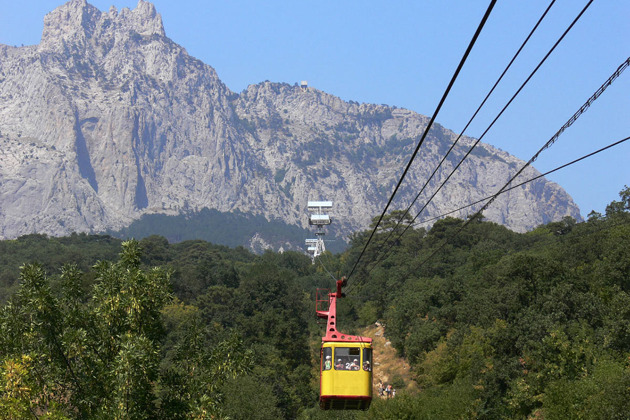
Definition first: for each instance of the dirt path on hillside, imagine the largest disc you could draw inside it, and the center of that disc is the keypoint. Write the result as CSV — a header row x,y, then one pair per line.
x,y
388,366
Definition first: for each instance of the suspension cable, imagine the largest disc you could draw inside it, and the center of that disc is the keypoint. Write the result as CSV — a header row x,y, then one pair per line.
x,y
492,123
428,127
525,182
547,145
469,122
506,190
321,262
608,225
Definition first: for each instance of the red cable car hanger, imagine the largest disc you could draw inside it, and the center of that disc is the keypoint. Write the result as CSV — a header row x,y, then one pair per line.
x,y
331,315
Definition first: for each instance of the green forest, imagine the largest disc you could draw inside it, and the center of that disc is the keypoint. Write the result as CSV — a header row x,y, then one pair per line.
x,y
493,324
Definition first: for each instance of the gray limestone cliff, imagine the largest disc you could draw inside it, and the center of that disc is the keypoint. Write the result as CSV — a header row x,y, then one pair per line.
x,y
107,119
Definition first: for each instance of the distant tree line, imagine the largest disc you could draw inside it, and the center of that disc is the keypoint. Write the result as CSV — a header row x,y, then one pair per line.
x,y
223,228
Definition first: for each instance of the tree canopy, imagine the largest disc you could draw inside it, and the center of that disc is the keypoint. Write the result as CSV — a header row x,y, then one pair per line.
x,y
494,324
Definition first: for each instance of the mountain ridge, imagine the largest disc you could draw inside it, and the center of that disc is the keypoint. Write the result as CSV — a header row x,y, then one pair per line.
x,y
107,119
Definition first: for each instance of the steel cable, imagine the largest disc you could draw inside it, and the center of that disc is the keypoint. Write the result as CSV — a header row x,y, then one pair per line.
x,y
427,129
577,18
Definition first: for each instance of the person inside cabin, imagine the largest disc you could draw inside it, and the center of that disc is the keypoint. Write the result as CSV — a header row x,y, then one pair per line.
x,y
366,366
327,363
354,365
339,365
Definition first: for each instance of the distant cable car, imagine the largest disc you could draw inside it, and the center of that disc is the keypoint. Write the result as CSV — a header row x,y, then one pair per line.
x,y
346,361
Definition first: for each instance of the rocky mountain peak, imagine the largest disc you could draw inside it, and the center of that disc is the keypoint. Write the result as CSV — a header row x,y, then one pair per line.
x,y
77,25
108,120
144,19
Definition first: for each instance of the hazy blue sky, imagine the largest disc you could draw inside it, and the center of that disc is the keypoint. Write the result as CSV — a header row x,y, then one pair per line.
x,y
403,53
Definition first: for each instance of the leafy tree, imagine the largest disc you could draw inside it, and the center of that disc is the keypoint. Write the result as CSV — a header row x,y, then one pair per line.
x,y
246,399
69,354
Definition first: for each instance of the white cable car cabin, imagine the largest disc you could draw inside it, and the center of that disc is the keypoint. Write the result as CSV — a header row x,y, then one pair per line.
x,y
319,219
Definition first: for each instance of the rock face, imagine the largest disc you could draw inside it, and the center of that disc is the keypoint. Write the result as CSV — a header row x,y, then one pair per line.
x,y
107,119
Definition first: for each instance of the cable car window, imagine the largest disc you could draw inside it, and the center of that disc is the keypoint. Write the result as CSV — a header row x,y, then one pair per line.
x,y
347,358
367,360
326,358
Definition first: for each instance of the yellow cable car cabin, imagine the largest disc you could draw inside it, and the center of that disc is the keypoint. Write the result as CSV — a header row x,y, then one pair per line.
x,y
346,364
346,375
